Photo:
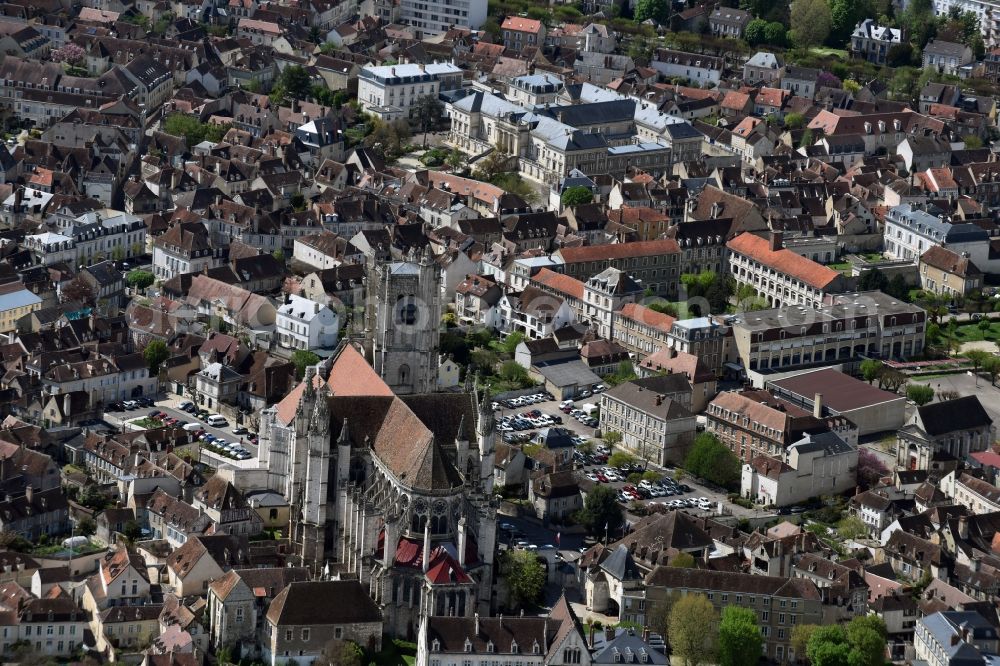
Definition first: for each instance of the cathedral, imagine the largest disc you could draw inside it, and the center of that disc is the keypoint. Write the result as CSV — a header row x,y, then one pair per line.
x,y
395,490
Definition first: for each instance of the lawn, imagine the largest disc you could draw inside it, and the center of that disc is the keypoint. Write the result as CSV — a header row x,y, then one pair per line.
x,y
826,51
972,333
842,266
147,423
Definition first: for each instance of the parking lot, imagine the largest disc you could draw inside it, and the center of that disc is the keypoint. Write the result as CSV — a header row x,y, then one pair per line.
x,y
169,408
684,495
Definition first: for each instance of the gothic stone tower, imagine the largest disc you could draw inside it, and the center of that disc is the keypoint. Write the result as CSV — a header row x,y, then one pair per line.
x,y
402,322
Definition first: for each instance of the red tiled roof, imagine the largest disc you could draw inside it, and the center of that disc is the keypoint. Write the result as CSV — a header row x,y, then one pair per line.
x,y
522,24
784,261
647,316
735,100
564,284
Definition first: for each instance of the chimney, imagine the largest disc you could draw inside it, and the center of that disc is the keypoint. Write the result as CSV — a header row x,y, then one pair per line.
x,y
963,527
609,633
776,241
66,404
28,493
818,405
645,634
477,624
427,545
590,636
659,400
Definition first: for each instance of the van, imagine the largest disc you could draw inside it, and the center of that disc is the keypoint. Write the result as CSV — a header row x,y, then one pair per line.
x,y
192,427
217,421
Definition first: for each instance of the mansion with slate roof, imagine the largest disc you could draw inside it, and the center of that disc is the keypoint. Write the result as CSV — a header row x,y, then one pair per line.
x,y
394,490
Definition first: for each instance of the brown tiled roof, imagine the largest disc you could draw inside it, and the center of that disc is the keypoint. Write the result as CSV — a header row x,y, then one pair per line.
x,y
724,581
323,603
452,632
572,255
784,261
949,261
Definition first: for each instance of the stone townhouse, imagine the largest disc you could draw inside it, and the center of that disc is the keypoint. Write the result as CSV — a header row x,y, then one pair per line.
x,y
780,603
653,417
654,264
948,273
754,423
238,600
306,616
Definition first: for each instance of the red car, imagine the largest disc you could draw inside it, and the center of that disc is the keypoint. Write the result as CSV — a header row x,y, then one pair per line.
x,y
601,477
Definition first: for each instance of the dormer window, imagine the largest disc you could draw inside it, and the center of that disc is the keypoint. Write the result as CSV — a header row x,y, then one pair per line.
x,y
513,647
435,645
468,645
490,648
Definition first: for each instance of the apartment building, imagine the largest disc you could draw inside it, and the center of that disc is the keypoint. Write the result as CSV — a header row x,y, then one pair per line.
x,y
755,423
781,276
390,91
946,57
780,603
695,67
954,638
605,294
817,464
911,231
642,330
518,32
16,301
846,327
653,417
653,264
435,17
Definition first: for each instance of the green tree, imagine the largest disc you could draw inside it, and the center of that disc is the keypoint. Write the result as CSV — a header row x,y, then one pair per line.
x,y
510,343
612,438
620,458
484,359
343,653
873,280
301,359
514,372
279,254
493,165
525,576
921,394
795,121
739,637
828,646
920,21
870,369
295,81
712,460
811,22
658,10
845,15
775,33
601,514
156,352
851,527
691,636
800,639
513,183
576,196
977,357
754,32
866,634
806,139
991,366
139,279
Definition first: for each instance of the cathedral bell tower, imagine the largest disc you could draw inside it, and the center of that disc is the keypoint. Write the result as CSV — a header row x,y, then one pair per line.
x,y
403,320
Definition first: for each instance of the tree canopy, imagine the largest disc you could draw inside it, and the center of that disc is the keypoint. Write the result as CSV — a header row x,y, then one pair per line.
x,y
524,575
811,22
739,637
658,10
155,353
601,514
576,196
691,639
302,358
710,459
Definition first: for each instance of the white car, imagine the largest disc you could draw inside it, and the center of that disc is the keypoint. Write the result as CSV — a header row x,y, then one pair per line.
x,y
591,476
